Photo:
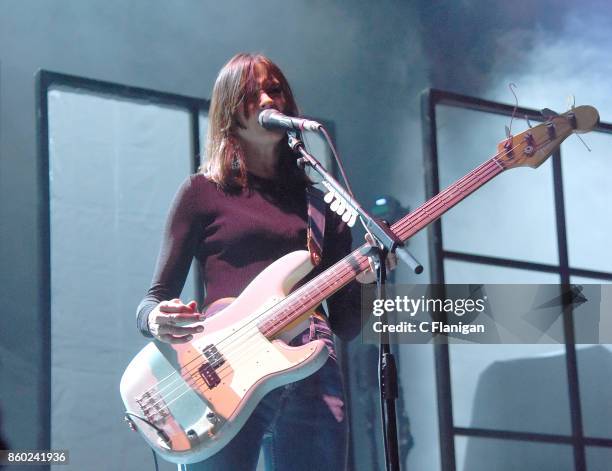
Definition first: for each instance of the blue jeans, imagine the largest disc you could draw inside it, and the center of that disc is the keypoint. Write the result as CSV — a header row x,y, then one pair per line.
x,y
295,428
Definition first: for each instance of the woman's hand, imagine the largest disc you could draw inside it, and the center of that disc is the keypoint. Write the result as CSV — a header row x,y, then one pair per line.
x,y
369,276
335,405
164,321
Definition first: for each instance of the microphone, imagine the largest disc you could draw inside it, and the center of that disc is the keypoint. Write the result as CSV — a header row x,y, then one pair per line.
x,y
274,119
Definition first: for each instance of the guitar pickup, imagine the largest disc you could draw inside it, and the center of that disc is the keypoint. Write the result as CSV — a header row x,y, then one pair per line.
x,y
210,376
213,356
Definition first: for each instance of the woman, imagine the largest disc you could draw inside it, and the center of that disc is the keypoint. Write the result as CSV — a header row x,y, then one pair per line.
x,y
245,209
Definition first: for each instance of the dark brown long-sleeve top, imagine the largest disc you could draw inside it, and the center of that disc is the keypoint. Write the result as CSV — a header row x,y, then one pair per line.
x,y
234,236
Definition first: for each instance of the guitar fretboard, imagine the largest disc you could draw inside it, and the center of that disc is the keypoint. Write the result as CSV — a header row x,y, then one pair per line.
x,y
310,295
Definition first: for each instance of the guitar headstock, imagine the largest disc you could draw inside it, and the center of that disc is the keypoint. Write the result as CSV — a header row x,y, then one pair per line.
x,y
532,147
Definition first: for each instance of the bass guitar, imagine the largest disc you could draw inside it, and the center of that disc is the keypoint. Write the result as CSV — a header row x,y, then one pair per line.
x,y
189,400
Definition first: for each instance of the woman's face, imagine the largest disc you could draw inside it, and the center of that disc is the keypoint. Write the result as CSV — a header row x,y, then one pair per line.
x,y
269,95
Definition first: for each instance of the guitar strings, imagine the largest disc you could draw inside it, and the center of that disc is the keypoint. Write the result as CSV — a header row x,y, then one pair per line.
x,y
455,188
441,203
257,318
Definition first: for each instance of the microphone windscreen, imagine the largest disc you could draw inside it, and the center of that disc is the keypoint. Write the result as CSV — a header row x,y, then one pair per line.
x,y
264,115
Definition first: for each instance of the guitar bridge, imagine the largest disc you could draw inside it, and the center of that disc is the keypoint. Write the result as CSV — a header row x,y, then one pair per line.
x,y
153,407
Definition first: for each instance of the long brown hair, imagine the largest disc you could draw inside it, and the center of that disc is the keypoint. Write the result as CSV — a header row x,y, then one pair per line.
x,y
236,86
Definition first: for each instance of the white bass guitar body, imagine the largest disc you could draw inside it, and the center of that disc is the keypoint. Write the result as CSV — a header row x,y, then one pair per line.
x,y
199,394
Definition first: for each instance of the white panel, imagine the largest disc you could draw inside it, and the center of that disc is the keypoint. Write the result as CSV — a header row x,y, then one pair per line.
x,y
485,454
114,166
529,375
595,381
598,458
477,367
594,369
458,272
588,197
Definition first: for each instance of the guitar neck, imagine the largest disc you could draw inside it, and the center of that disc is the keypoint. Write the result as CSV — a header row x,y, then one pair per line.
x,y
310,295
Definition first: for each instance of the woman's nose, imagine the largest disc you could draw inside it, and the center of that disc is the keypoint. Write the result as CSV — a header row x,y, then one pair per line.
x,y
265,101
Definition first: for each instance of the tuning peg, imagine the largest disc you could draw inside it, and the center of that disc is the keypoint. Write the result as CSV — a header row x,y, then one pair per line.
x,y
528,122
571,102
329,196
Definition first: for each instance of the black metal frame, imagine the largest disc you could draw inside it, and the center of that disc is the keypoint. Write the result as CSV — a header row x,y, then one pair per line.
x,y
447,430
44,80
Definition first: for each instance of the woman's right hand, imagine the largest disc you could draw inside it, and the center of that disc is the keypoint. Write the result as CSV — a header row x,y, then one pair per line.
x,y
165,317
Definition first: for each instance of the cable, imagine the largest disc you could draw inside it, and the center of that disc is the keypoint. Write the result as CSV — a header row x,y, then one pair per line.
x,y
155,459
338,161
162,435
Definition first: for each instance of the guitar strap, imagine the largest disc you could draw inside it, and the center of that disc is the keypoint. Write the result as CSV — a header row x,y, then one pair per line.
x,y
316,223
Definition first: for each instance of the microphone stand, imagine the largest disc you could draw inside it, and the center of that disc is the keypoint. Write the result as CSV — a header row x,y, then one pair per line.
x,y
388,243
